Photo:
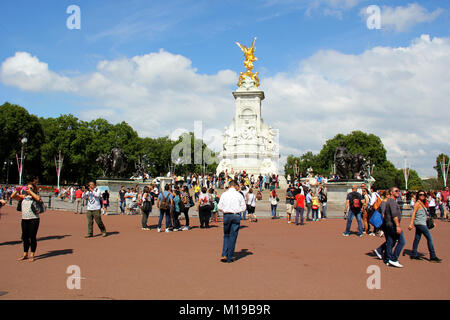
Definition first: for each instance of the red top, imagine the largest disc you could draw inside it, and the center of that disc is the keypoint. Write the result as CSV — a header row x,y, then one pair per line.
x,y
301,200
78,194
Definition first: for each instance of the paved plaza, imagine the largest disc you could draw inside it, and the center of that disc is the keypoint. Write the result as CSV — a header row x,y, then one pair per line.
x,y
274,261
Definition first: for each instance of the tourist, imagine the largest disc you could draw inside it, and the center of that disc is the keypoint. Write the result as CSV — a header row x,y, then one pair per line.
x,y
374,205
146,207
105,202
165,203
273,199
121,199
354,203
204,208
27,196
299,207
440,205
315,207
231,204
419,221
188,203
79,201
392,230
196,192
251,205
323,201
308,204
93,210
290,199
365,211
244,191
445,200
432,204
176,209
134,201
214,202
128,201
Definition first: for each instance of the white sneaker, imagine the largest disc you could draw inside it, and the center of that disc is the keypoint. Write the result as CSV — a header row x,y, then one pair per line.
x,y
176,229
395,264
378,255
372,234
168,230
345,234
381,233
159,229
185,228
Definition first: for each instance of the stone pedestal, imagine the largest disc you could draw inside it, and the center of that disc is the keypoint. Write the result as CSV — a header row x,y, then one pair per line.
x,y
337,195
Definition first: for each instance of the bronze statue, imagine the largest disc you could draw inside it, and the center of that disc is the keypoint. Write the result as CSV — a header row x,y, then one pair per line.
x,y
350,166
113,164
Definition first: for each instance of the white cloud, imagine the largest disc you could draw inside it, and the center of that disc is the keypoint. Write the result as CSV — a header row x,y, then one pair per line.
x,y
332,7
28,73
402,19
400,94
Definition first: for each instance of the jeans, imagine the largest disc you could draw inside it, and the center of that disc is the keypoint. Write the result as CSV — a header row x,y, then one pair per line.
x,y
324,211
426,232
94,215
165,212
145,218
122,206
274,210
29,232
186,216
231,225
351,214
309,207
391,239
441,209
244,215
299,211
315,214
204,214
176,221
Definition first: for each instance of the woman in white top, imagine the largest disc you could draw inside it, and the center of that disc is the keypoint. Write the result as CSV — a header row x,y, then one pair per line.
x,y
30,219
250,201
432,204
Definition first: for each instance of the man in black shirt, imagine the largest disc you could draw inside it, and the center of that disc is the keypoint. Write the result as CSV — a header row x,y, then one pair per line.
x,y
122,199
392,231
354,201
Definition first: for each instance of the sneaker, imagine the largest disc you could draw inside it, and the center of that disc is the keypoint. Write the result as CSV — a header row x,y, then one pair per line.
x,y
345,234
436,260
185,229
395,264
168,230
289,221
176,229
88,236
159,229
381,234
372,234
361,235
378,254
146,229
104,234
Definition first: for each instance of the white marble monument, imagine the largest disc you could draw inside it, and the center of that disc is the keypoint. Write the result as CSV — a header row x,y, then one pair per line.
x,y
249,144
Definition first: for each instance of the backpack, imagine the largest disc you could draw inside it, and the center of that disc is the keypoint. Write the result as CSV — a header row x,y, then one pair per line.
x,y
355,203
164,205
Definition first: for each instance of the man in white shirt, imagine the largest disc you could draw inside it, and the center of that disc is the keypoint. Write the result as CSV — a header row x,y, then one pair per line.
x,y
93,210
231,203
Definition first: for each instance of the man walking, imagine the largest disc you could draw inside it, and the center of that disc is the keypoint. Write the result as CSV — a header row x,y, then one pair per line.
x,y
308,204
290,199
93,210
354,201
392,231
231,203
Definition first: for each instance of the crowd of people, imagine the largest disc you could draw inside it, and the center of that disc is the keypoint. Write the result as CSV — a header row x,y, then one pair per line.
x,y
381,211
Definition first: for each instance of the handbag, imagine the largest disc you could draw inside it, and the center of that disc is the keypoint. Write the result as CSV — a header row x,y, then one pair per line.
x,y
377,219
430,221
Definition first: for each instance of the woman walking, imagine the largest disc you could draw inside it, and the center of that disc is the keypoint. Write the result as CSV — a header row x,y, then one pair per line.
x,y
419,221
30,219
204,208
146,207
251,205
273,203
213,204
187,200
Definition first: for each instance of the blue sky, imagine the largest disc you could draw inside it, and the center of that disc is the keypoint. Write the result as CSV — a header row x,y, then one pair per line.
x,y
290,34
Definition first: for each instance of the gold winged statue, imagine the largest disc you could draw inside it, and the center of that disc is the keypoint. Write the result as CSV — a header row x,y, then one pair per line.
x,y
248,63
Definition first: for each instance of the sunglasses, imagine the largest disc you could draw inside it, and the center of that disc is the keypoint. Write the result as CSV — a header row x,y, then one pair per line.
x,y
396,190
422,194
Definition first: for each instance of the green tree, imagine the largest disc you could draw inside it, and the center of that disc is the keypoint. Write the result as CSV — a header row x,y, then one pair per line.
x,y
15,121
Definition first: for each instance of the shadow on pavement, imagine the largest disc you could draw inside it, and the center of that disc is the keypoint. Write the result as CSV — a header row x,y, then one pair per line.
x,y
242,254
11,243
54,253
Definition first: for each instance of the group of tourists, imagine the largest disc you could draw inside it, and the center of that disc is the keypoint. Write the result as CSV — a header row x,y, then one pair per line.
x,y
381,211
300,198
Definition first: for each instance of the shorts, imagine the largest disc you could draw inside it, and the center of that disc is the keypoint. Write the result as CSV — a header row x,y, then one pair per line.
x,y
250,209
290,209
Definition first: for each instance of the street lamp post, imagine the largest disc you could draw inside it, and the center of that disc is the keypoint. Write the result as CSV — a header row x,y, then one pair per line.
x,y
8,163
22,158
58,164
406,174
444,168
